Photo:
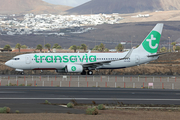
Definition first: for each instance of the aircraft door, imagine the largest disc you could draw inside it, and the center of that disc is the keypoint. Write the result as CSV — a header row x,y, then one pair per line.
x,y
28,59
137,59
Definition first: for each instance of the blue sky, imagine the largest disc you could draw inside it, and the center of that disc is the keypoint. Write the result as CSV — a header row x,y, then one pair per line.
x,y
73,3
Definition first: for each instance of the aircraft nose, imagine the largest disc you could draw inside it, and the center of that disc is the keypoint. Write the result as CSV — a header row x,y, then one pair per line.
x,y
8,63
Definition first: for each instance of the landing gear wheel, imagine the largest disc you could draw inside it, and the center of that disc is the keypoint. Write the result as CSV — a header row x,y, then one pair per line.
x,y
90,72
83,72
22,73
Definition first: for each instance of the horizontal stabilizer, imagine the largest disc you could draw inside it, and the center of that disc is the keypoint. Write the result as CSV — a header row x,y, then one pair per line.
x,y
154,55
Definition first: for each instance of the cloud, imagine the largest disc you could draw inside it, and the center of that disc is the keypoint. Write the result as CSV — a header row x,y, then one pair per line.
x,y
73,3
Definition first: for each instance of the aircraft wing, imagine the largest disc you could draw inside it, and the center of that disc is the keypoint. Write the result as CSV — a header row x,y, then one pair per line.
x,y
95,64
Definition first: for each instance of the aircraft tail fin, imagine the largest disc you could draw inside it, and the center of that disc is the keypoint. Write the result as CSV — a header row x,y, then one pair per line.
x,y
151,42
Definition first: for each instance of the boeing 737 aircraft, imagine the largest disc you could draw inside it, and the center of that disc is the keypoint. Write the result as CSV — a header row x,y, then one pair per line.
x,y
82,62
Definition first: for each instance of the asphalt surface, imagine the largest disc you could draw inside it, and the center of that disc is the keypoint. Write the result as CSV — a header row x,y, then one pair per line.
x,y
75,75
30,99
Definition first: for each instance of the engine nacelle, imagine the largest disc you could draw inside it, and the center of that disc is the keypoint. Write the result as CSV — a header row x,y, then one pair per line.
x,y
60,71
74,68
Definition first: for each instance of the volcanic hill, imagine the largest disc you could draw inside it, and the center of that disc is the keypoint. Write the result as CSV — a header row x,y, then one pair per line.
x,y
125,6
29,6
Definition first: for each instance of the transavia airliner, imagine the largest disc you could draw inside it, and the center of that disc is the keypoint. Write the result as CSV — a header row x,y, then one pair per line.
x,y
84,63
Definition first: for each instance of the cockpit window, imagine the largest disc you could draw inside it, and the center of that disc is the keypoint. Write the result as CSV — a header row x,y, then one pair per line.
x,y
16,59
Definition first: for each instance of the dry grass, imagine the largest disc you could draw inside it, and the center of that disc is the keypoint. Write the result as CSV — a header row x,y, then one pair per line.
x,y
104,115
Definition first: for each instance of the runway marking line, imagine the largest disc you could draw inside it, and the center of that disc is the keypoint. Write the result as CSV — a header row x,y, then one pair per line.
x,y
128,99
65,106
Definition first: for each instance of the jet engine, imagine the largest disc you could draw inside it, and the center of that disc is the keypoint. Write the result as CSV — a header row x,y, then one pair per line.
x,y
74,68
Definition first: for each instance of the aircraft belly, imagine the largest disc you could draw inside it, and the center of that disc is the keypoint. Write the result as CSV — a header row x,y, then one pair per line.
x,y
48,66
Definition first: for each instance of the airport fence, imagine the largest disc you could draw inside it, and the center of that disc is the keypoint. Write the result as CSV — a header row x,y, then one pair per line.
x,y
93,81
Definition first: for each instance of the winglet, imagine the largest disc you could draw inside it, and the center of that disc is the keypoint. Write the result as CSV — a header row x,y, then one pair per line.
x,y
128,55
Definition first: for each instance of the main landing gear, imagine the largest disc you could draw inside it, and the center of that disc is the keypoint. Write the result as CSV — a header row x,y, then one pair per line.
x,y
83,72
89,72
22,73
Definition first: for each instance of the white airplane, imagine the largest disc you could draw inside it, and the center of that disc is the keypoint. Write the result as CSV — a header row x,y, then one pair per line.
x,y
82,62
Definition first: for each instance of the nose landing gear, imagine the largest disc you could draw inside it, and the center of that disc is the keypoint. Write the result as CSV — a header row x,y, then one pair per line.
x,y
22,73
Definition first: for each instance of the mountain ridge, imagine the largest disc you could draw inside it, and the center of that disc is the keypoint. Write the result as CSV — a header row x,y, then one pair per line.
x,y
29,6
124,6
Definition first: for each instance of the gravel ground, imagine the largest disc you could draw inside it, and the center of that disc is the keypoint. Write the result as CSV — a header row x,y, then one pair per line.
x,y
107,114
39,108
